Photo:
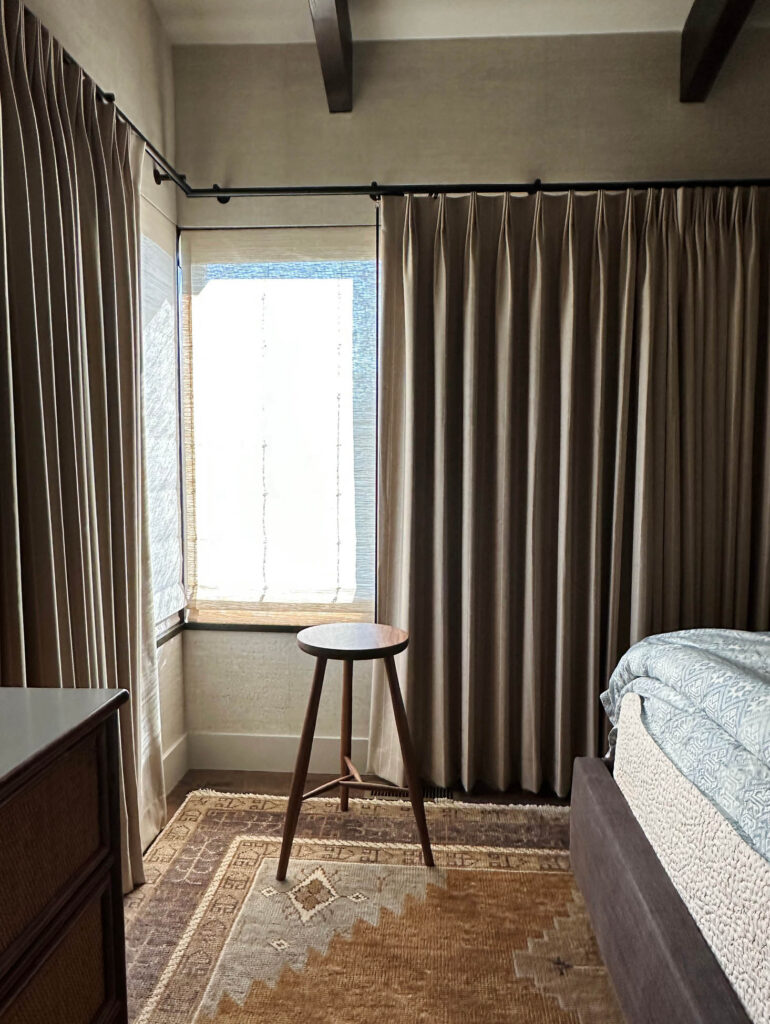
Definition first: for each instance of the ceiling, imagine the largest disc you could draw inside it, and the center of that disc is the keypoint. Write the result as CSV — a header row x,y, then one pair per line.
x,y
288,21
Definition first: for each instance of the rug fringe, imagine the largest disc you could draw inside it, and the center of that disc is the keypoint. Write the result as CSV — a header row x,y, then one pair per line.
x,y
554,810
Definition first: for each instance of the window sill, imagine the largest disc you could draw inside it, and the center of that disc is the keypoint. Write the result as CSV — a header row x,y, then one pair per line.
x,y
244,627
246,621
279,617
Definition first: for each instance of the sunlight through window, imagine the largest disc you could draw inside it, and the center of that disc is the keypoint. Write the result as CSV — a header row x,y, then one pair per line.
x,y
280,445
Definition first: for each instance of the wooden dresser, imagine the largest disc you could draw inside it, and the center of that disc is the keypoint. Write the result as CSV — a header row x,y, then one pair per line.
x,y
62,954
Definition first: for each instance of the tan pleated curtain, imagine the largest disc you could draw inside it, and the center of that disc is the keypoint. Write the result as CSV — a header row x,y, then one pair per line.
x,y
575,454
75,597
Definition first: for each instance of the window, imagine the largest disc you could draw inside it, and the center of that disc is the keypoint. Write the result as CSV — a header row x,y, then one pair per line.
x,y
279,370
160,382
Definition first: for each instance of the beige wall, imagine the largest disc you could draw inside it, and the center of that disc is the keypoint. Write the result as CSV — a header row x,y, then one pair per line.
x,y
246,694
173,713
121,44
559,108
123,47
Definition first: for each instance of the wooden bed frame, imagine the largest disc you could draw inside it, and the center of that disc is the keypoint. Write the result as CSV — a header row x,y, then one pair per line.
x,y
663,970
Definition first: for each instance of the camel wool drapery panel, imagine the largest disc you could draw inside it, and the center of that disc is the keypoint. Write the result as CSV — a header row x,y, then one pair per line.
x,y
575,454
75,597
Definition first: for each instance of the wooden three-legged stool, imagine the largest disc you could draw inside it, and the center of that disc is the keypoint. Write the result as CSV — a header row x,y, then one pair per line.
x,y
349,642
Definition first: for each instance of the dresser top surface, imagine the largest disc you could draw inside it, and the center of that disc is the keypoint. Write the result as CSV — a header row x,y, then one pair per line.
x,y
36,720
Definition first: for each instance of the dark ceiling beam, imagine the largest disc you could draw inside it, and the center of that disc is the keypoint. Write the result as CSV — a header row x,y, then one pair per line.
x,y
331,24
710,30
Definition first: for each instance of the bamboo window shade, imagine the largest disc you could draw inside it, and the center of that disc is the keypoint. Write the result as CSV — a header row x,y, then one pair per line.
x,y
279,408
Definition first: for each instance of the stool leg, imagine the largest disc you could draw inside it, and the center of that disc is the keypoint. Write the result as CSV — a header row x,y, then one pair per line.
x,y
300,769
346,732
410,761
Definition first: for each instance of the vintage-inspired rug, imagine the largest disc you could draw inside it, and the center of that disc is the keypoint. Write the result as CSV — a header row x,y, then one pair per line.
x,y
360,931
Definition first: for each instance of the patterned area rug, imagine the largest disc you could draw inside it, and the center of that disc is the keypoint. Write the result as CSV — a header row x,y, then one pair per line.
x,y
360,931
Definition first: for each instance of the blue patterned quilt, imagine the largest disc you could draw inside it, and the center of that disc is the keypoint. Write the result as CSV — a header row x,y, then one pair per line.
x,y
706,702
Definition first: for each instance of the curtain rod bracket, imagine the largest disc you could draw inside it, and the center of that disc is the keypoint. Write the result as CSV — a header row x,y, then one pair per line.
x,y
374,194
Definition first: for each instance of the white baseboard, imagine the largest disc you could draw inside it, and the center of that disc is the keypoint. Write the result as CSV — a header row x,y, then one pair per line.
x,y
259,753
176,762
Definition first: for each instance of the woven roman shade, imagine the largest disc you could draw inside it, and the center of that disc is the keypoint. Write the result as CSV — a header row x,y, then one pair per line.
x,y
279,385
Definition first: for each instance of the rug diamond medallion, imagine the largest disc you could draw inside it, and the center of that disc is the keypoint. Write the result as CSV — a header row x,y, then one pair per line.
x,y
312,893
360,930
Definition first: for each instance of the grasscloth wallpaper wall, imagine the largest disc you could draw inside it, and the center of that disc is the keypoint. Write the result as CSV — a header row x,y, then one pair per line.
x,y
124,48
173,712
246,695
562,108
559,108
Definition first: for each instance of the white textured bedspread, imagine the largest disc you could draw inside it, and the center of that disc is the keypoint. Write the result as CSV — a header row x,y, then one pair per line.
x,y
706,702
724,883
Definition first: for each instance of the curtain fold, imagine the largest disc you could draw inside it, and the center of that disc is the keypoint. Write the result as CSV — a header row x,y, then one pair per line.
x,y
76,605
575,417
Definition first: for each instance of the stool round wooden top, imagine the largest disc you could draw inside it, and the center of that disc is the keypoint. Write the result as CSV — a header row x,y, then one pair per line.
x,y
352,641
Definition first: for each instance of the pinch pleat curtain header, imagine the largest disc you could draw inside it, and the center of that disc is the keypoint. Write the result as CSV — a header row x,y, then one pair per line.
x,y
575,439
74,570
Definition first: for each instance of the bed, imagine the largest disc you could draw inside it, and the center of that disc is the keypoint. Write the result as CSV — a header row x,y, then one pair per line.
x,y
673,851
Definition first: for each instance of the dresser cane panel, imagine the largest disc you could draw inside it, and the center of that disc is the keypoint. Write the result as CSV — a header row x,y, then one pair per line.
x,y
69,987
62,946
50,830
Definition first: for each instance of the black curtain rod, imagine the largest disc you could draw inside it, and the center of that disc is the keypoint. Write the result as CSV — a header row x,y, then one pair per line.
x,y
375,190
164,171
